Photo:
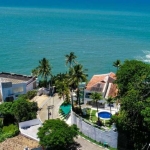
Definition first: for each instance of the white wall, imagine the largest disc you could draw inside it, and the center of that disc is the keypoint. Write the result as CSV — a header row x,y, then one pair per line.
x,y
29,87
13,90
99,135
5,92
29,123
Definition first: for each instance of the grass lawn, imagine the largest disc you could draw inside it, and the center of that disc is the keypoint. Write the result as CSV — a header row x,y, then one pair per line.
x,y
92,113
87,116
93,116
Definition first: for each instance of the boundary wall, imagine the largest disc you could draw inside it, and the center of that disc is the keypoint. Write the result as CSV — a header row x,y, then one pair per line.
x,y
88,129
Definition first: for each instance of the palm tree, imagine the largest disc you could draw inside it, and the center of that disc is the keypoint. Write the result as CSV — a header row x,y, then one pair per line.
x,y
95,97
43,70
62,89
35,72
110,101
77,75
117,64
61,77
70,59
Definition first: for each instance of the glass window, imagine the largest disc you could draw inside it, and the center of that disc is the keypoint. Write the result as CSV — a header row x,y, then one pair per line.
x,y
18,90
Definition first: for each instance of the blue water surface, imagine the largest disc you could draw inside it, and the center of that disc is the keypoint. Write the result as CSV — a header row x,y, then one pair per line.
x,y
98,36
105,115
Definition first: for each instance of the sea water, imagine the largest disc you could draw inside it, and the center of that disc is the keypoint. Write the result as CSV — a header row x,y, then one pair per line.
x,y
97,36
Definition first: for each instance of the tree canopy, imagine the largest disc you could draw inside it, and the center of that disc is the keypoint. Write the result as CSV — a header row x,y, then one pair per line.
x,y
21,109
96,97
57,135
131,75
117,64
70,58
44,70
134,92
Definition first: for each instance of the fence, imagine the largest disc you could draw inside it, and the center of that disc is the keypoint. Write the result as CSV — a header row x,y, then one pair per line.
x,y
108,136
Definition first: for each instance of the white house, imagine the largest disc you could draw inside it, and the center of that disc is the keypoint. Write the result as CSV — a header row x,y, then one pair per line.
x,y
12,85
103,83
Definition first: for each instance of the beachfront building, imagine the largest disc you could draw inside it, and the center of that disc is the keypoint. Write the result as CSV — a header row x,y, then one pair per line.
x,y
12,85
104,84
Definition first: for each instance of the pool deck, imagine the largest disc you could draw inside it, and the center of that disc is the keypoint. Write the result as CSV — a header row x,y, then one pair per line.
x,y
113,110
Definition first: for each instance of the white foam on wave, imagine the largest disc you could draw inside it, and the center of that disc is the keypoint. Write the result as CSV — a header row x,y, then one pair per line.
x,y
145,58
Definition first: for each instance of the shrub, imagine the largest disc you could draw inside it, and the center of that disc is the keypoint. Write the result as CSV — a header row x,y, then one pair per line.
x,y
1,122
65,103
31,94
12,129
8,132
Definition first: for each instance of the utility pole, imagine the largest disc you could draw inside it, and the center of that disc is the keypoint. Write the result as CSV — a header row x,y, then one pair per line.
x,y
48,108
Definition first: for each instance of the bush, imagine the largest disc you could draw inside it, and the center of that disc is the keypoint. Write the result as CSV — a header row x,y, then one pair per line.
x,y
31,94
65,103
78,110
1,122
8,132
113,119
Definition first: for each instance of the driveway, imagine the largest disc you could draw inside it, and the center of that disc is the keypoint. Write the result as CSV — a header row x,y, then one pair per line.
x,y
53,102
87,145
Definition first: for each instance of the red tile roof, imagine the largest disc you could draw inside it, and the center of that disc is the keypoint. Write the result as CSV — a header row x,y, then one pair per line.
x,y
113,91
97,84
100,79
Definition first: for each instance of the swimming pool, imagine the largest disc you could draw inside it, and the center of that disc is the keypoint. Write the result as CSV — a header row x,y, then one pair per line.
x,y
66,108
104,115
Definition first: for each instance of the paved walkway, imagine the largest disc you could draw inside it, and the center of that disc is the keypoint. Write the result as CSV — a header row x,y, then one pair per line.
x,y
51,101
86,145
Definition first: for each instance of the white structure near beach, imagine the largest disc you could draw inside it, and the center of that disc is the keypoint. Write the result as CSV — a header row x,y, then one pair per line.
x,y
12,85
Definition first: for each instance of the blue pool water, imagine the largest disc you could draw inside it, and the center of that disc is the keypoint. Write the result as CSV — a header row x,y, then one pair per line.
x,y
105,115
66,108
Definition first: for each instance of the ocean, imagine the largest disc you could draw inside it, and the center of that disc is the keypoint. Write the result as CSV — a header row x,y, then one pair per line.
x,y
97,36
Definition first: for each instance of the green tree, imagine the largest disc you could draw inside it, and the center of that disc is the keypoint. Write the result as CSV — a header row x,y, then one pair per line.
x,y
43,70
77,75
110,101
57,135
134,91
96,97
6,114
62,89
70,59
24,110
131,75
117,64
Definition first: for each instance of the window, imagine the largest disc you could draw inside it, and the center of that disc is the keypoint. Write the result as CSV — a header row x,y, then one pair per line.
x,y
18,90
87,95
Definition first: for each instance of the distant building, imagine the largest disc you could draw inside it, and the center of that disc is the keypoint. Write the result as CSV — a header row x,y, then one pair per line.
x,y
12,85
103,84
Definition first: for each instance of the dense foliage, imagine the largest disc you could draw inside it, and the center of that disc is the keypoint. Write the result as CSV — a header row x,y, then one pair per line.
x,y
57,135
19,110
31,94
8,132
133,121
